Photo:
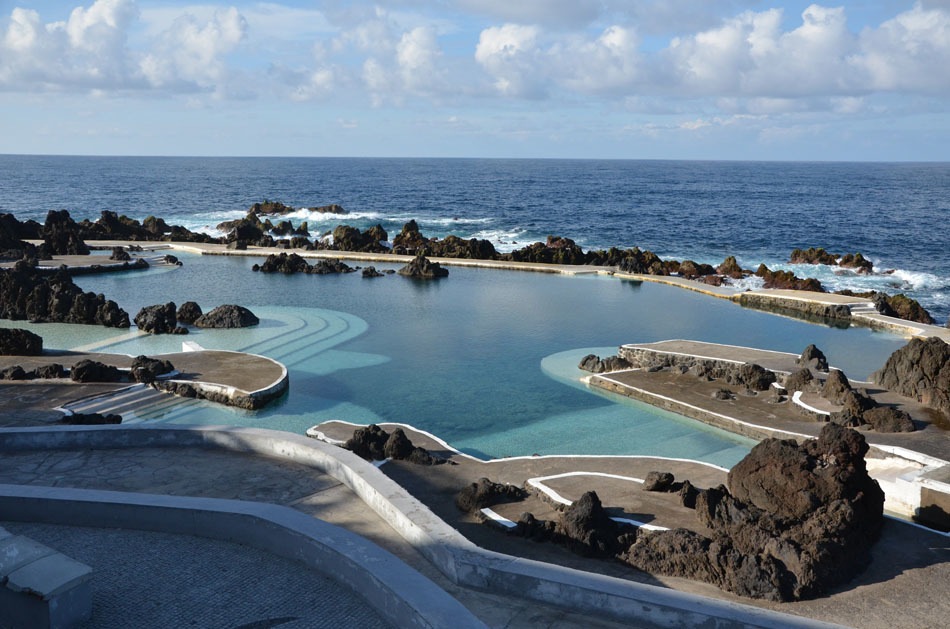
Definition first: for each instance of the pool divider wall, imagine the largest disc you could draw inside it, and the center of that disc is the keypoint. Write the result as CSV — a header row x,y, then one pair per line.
x,y
456,557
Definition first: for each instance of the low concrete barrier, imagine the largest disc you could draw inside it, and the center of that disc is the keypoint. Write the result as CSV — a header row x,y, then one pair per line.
x,y
396,591
456,557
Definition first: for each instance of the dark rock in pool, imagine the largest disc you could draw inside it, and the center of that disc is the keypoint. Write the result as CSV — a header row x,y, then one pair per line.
x,y
188,312
15,372
159,319
796,521
61,235
484,493
146,370
171,260
329,267
595,364
422,268
119,254
813,358
26,294
919,370
835,387
286,263
371,271
90,419
94,371
658,481
17,342
227,316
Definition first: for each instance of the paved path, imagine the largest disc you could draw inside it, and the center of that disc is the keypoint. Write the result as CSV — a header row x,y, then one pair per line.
x,y
147,579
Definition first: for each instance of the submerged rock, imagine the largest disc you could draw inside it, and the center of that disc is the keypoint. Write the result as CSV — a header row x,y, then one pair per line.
x,y
18,342
371,271
227,316
422,268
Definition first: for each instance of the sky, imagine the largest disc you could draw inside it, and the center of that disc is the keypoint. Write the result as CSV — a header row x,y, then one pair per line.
x,y
639,79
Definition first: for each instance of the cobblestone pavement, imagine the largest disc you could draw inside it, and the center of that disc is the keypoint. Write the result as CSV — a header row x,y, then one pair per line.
x,y
147,579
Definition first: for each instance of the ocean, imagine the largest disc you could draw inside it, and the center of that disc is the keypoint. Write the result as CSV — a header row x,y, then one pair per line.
x,y
896,214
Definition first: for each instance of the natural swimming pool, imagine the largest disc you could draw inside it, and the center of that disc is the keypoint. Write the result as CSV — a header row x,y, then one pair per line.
x,y
486,359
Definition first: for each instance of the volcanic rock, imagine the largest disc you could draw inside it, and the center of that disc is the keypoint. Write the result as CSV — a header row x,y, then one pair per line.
x,y
799,520
642,263
26,294
119,254
587,529
333,208
476,496
594,364
227,316
690,269
50,371
787,280
835,387
813,256
90,419
18,342
146,370
730,268
801,380
330,266
94,371
270,207
159,319
658,481
346,238
188,312
919,370
421,268
888,419
371,271
722,394
14,372
399,448
61,235
814,358
556,250
902,307
856,261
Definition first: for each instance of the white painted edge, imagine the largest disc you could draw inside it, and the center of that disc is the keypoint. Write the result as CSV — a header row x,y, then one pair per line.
x,y
797,399
317,434
499,518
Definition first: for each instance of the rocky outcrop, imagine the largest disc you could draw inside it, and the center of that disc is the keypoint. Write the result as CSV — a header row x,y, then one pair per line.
x,y
371,271
902,307
795,521
333,208
94,371
188,313
270,207
586,529
836,386
50,371
111,226
12,247
919,370
888,419
813,358
119,254
422,268
409,241
289,263
692,270
18,342
856,261
484,493
227,316
813,256
747,375
658,481
556,250
346,238
25,294
90,419
786,280
159,319
146,370
375,444
61,235
801,380
642,263
330,266
595,364
730,268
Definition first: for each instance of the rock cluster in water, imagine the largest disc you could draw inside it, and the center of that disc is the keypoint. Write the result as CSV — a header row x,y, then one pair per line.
x,y
375,444
919,370
26,294
188,313
159,319
227,316
290,263
62,236
18,342
820,256
596,364
420,267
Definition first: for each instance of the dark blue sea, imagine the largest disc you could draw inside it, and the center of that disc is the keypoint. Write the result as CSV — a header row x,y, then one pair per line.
x,y
895,214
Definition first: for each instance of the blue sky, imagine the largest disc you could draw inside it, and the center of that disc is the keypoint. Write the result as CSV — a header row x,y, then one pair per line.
x,y
666,79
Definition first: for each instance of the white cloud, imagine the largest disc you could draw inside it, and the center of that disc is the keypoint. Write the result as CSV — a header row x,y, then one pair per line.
x,y
510,54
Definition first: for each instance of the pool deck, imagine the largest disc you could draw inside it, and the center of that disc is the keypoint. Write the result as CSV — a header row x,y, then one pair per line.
x,y
234,378
863,312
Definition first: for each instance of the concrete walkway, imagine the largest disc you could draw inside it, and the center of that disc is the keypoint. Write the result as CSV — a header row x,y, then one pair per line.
x,y
144,579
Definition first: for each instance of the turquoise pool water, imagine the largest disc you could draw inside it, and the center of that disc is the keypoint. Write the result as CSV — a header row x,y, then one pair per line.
x,y
485,359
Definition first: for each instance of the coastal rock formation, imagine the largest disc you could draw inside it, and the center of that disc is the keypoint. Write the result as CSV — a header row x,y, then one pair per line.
x,y
227,316
159,319
595,364
371,271
692,270
902,307
409,241
484,493
642,263
188,313
813,256
787,280
119,254
813,358
795,521
836,386
289,263
61,235
18,342
346,238
270,207
585,528
94,371
25,294
919,370
856,261
90,419
556,250
333,208
12,247
888,419
801,380
330,266
146,370
747,375
422,268
111,226
658,481
375,444
14,372
730,268
50,371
